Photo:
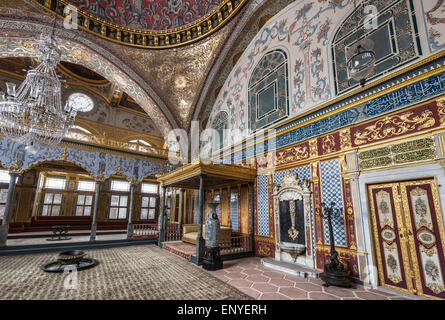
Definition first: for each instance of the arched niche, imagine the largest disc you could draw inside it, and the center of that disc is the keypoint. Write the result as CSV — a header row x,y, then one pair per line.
x,y
18,40
268,93
293,220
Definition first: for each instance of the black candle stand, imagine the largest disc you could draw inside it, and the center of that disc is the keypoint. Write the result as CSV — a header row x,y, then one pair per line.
x,y
334,272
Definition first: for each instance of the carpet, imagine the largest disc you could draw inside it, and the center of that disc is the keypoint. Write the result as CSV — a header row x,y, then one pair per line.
x,y
180,248
137,273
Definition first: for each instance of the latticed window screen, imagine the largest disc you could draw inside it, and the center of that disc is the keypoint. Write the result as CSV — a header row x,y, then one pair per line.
x,y
216,198
118,207
4,176
3,196
148,207
149,188
52,204
84,205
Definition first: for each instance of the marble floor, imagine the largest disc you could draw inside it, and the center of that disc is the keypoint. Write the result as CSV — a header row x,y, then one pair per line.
x,y
39,238
263,283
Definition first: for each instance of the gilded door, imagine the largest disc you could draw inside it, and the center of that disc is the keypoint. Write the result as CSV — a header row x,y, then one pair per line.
x,y
409,237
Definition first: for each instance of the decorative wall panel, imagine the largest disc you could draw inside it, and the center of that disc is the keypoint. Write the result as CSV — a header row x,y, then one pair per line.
x,y
406,152
331,191
303,172
435,23
263,205
304,29
234,209
13,154
395,42
268,91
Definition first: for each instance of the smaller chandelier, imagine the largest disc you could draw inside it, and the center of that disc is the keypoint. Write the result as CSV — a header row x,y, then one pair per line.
x,y
361,57
33,114
361,61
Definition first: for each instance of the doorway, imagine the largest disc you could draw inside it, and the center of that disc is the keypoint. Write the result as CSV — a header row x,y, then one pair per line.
x,y
408,235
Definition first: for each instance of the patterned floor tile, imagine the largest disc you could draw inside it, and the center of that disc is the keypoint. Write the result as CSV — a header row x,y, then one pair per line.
x,y
293,293
273,296
322,296
265,287
143,272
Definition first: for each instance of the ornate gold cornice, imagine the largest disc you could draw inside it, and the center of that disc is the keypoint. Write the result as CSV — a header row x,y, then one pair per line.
x,y
195,169
172,38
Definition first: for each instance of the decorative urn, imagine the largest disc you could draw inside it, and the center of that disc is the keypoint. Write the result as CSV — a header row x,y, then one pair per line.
x,y
212,227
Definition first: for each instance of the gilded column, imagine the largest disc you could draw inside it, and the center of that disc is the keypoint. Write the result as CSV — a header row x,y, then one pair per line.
x,y
95,210
161,233
4,228
200,240
130,212
252,217
181,212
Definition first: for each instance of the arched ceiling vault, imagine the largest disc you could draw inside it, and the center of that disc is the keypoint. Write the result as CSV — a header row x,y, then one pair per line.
x,y
255,14
22,23
172,85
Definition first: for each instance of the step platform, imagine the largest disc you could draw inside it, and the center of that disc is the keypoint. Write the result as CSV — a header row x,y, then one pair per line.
x,y
291,268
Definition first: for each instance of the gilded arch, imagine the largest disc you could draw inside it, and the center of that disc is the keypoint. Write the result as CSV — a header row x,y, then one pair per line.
x,y
17,40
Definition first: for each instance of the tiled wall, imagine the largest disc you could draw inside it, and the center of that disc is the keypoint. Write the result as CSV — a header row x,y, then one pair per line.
x,y
331,191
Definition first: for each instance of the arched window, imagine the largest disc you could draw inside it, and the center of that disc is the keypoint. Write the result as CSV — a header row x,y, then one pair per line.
x,y
81,102
394,37
219,123
269,91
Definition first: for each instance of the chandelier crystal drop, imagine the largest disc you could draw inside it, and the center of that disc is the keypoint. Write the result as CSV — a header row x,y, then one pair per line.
x,y
33,114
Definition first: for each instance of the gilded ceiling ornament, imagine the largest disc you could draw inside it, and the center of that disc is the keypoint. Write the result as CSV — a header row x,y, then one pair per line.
x,y
180,73
15,168
64,154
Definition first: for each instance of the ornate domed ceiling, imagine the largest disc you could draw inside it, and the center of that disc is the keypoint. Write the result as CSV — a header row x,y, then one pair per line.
x,y
154,24
154,15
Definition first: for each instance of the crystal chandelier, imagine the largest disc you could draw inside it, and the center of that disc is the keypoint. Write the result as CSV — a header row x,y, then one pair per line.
x,y
361,57
33,114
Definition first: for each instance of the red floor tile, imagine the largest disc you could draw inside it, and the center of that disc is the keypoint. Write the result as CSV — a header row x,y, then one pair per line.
x,y
339,292
308,286
252,271
258,278
293,293
282,282
369,295
240,283
274,274
322,296
264,287
235,275
251,292
273,296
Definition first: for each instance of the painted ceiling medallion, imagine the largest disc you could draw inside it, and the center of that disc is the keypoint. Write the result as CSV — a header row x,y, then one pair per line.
x,y
150,23
154,15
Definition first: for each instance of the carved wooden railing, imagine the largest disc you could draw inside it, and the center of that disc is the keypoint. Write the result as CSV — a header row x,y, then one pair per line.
x,y
145,231
237,244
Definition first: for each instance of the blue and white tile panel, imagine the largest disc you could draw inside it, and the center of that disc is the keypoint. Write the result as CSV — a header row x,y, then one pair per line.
x,y
331,190
263,206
